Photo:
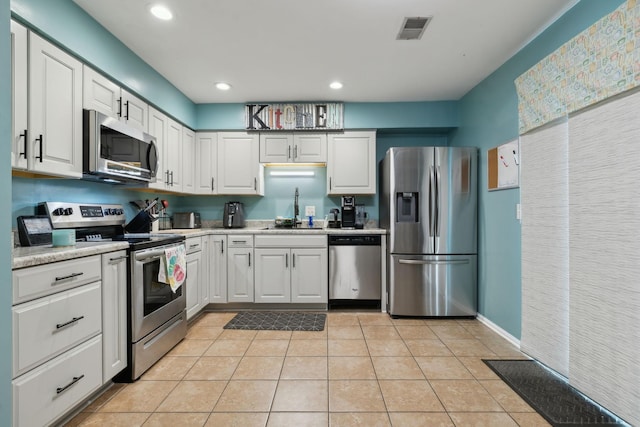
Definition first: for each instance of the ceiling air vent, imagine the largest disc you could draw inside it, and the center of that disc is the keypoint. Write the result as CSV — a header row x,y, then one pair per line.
x,y
413,28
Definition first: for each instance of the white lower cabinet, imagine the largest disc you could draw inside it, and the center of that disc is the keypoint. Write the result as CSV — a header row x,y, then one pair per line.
x,y
195,276
114,314
57,318
291,268
240,269
48,391
217,260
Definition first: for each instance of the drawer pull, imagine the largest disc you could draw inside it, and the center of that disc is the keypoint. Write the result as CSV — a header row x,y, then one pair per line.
x,y
74,320
71,276
118,258
193,246
240,241
75,380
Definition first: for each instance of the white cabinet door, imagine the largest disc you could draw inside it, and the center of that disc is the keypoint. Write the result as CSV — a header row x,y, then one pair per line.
x,y
351,163
240,275
114,314
310,147
272,275
195,269
55,110
19,72
100,94
205,161
135,112
276,148
173,160
188,160
309,275
158,127
239,168
217,269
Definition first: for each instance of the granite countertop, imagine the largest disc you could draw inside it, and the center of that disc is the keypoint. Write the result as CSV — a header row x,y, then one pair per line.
x,y
37,255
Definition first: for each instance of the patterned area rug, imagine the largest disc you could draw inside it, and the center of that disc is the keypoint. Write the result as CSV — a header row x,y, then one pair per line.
x,y
559,403
277,321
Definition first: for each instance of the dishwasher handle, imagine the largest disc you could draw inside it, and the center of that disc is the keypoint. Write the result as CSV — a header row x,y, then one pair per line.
x,y
354,240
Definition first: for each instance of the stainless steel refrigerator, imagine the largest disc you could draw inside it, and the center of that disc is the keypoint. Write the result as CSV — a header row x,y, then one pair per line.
x,y
429,207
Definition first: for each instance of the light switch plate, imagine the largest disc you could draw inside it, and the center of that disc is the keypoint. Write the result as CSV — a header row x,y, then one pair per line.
x,y
309,211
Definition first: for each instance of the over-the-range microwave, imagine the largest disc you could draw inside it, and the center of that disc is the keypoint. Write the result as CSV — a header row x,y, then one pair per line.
x,y
117,153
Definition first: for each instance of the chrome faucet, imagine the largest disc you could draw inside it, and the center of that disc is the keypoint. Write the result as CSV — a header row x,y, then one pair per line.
x,y
296,208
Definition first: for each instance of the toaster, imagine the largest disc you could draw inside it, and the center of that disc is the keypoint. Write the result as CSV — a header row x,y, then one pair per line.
x,y
186,220
233,215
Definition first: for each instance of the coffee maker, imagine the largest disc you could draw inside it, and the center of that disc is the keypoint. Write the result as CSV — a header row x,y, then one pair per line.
x,y
348,211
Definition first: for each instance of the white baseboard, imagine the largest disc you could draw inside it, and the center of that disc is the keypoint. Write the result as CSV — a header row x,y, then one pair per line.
x,y
498,330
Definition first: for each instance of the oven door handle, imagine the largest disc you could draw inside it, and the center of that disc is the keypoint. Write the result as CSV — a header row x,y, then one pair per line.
x,y
146,255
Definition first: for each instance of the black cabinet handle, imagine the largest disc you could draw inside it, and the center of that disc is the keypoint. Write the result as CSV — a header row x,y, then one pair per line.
x,y
75,380
126,117
222,246
120,107
39,139
72,275
24,135
74,320
249,259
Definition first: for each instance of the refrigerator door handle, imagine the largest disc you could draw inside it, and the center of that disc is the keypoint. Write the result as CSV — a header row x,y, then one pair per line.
x,y
430,262
432,206
437,204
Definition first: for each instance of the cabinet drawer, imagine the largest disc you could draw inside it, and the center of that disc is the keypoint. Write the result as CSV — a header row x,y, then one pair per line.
x,y
50,325
34,282
240,241
47,392
194,244
291,241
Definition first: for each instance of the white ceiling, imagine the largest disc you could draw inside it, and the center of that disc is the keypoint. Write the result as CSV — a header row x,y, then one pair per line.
x,y
290,50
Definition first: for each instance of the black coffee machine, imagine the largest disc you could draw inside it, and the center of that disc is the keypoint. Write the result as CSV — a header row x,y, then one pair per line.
x,y
348,212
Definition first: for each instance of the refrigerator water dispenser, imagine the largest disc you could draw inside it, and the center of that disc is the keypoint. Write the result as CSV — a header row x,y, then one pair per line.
x,y
407,207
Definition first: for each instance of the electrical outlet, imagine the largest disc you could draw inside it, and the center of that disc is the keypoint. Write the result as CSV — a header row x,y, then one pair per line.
x,y
309,211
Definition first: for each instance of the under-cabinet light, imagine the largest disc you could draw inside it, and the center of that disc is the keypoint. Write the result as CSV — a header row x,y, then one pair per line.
x,y
292,173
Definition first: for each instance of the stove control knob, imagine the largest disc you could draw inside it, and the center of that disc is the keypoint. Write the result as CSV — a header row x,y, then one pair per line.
x,y
108,211
67,211
58,212
120,211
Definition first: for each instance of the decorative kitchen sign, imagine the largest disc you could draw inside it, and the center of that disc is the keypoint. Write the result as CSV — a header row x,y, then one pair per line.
x,y
503,166
300,116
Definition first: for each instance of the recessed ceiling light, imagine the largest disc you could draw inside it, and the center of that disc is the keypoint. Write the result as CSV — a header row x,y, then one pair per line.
x,y
223,86
335,85
161,12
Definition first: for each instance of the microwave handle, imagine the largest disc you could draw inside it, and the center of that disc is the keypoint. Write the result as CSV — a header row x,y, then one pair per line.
x,y
153,148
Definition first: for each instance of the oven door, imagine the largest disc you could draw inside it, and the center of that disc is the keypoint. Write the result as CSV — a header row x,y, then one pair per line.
x,y
152,302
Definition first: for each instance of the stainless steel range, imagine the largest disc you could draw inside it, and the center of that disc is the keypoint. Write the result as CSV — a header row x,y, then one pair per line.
x,y
157,317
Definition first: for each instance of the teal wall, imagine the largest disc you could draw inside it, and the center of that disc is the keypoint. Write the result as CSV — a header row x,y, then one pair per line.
x,y
489,117
5,220
68,25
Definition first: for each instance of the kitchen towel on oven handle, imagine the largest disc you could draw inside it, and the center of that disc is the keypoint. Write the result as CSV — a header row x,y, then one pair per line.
x,y
173,267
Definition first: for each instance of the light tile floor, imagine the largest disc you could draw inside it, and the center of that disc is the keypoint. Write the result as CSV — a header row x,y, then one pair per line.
x,y
364,369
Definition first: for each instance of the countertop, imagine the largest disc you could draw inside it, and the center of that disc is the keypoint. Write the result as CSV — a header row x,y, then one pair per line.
x,y
38,255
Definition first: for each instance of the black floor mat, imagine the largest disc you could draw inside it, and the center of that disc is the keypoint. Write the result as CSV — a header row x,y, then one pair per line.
x,y
277,321
559,403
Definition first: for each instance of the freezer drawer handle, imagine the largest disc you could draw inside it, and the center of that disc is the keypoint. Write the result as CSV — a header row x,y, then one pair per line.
x,y
423,262
75,380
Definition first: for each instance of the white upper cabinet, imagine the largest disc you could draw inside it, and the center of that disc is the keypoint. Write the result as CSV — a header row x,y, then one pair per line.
x,y
103,95
239,168
351,163
206,163
173,158
55,110
188,160
293,147
19,71
310,147
158,128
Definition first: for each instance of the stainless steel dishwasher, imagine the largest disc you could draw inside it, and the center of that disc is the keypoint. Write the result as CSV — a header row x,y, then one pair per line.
x,y
354,268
